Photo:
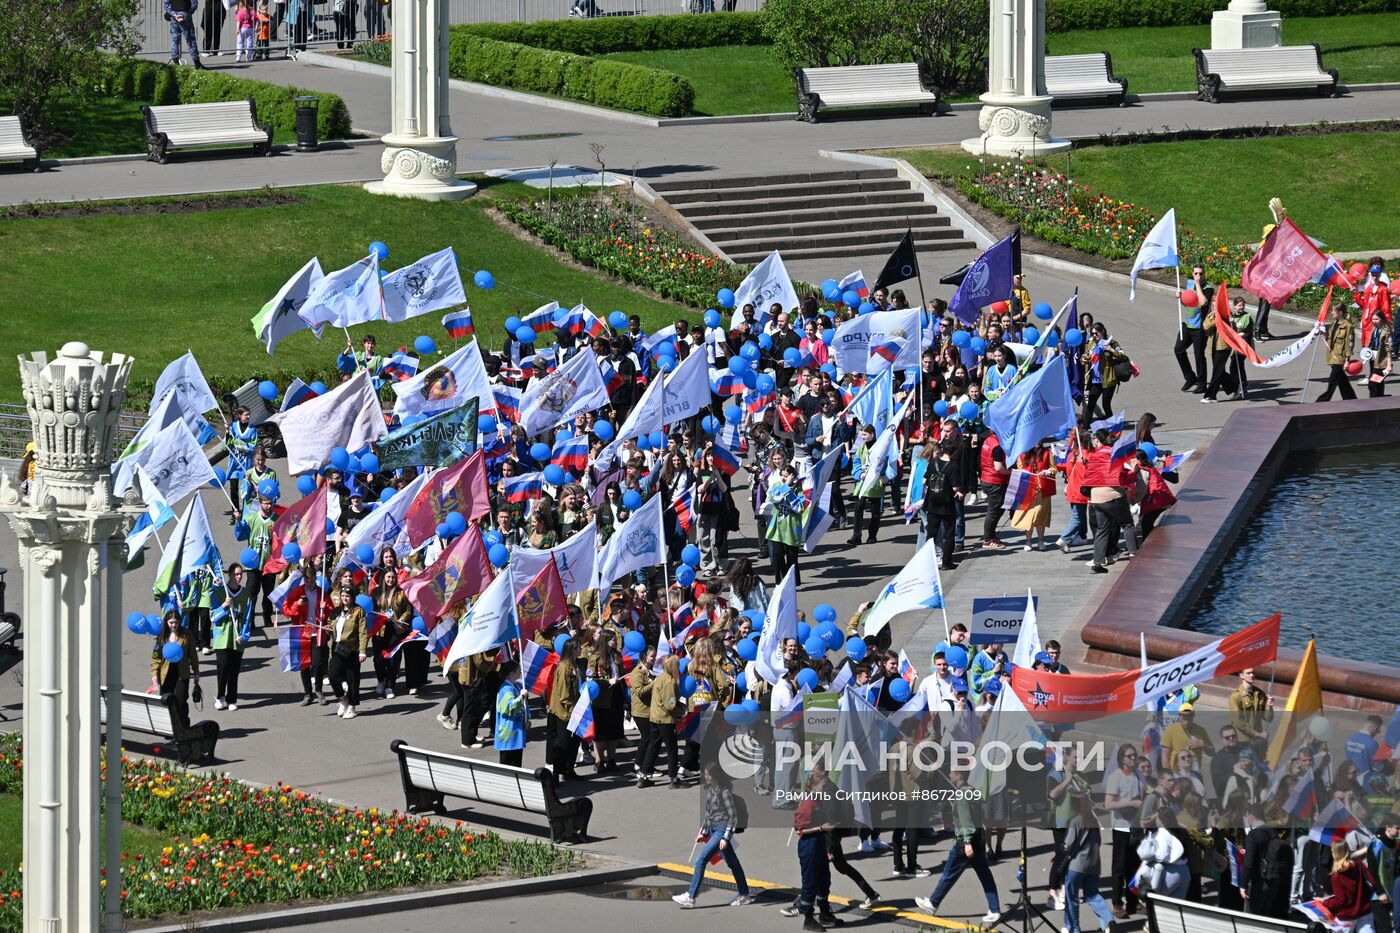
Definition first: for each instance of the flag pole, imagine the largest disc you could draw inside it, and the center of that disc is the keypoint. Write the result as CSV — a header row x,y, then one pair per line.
x,y
1303,389
923,309
1180,324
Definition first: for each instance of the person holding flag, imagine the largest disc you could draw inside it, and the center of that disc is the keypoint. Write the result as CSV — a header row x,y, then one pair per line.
x,y
1034,516
716,838
512,716
349,642
393,616
1108,500
257,531
232,631
241,441
563,697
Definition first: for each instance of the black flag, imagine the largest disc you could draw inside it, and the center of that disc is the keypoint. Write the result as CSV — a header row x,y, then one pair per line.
x,y
955,278
901,266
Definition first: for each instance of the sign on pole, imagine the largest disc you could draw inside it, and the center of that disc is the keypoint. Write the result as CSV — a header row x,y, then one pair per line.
x,y
998,620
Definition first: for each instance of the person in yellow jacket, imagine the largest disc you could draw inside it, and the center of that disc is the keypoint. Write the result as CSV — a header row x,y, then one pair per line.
x,y
639,681
479,680
562,747
389,599
172,678
666,707
349,642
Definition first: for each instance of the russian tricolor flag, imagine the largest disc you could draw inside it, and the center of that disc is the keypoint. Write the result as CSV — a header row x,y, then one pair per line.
x,y
412,636
1318,912
754,403
294,648
1302,798
524,487
289,589
1112,425
725,460
541,320
441,637
1236,856
685,510
1332,273
855,282
725,384
1123,449
1174,462
507,403
459,324
697,629
1018,491
497,453
400,366
571,453
906,669
694,724
681,617
537,668
581,719
297,393
889,350
1334,822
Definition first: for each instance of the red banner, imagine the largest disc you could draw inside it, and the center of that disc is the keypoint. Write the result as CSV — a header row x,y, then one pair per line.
x,y
1070,697
1286,261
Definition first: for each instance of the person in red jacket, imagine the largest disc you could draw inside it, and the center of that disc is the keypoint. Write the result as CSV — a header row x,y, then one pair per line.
x,y
992,475
1077,530
1159,496
1108,487
1352,889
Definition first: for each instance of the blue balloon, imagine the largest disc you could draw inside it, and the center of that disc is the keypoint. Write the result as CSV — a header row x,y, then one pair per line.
x,y
746,649
632,500
498,555
330,528
379,250
866,307
690,554
425,344
749,702
484,279
318,387
829,284
856,648
354,466
968,411
419,625
767,384
152,624
554,475
267,389
512,324
807,679
825,612
340,458
364,554
643,443
560,641
220,477
792,356
492,537
687,684
291,552
1030,334
804,631
1074,337
387,493
685,662
172,652
738,715
750,351
756,624
486,424
956,656
1044,311
712,318
961,339
829,369
765,342
899,690
443,530
634,642
657,438
591,688
850,299
750,379
733,414
725,297
525,333
306,484
738,365
830,633
604,431
1052,338
617,321
977,345
456,523
685,575
829,336
249,558
940,408
540,452
136,623
1150,449
369,463
666,363
708,424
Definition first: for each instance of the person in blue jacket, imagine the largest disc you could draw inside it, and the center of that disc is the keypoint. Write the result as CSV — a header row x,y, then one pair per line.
x,y
512,716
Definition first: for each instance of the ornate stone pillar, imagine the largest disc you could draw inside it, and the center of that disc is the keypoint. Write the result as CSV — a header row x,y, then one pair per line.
x,y
72,551
1246,24
420,154
1015,117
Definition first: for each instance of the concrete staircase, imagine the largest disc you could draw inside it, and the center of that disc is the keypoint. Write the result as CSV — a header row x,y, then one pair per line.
x,y
810,215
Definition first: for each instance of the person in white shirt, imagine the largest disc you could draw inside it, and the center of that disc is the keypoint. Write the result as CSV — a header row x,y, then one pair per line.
x,y
1123,793
937,687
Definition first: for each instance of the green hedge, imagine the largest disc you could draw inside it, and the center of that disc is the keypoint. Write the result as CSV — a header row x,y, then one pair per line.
x,y
1064,15
158,83
627,33
605,83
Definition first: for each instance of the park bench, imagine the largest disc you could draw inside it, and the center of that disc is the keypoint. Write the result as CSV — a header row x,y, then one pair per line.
x,y
147,714
430,776
186,126
15,146
1289,66
1080,77
1170,915
863,86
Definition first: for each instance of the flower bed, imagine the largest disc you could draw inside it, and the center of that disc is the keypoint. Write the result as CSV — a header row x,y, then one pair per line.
x,y
608,232
236,845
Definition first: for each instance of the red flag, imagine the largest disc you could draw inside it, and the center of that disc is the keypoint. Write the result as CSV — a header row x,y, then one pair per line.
x,y
1286,261
460,571
541,603
1227,331
304,523
460,488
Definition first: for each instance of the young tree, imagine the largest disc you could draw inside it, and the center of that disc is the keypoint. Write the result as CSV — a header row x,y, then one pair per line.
x,y
51,47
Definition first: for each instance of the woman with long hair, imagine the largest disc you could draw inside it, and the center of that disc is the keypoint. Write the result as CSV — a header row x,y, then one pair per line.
x,y
1035,517
608,708
744,588
712,502
666,705
563,695
171,678
716,835
1352,889
394,613
639,682
349,642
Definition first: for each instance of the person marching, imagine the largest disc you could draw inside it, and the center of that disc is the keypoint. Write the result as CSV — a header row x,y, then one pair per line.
x,y
969,849
716,835
172,679
563,696
665,707
869,490
390,601
231,635
784,534
639,684
241,441
512,715
1340,330
253,478
259,537
350,641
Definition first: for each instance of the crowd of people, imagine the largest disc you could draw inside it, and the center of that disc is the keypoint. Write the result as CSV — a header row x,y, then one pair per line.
x,y
258,22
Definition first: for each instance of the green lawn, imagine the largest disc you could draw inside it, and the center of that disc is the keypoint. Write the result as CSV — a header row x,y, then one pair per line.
x,y
135,839
1336,187
155,285
102,126
1363,49
728,79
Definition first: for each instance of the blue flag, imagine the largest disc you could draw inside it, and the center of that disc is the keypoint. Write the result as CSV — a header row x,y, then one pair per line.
x,y
988,279
1033,409
438,440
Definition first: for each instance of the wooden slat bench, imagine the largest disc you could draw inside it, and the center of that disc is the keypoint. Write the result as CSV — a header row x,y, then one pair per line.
x,y
863,86
15,145
1289,66
429,776
147,714
186,126
1084,77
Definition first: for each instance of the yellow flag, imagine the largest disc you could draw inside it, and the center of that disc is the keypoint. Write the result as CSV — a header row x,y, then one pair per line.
x,y
1305,698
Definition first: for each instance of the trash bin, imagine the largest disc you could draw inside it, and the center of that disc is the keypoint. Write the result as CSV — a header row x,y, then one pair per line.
x,y
306,124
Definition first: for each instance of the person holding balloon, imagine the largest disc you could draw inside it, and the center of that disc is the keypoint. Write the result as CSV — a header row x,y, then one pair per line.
x,y
253,478
1192,337
175,668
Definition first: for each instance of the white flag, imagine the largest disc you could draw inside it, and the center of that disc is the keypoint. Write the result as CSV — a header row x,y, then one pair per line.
x,y
347,416
382,527
572,389
861,334
1028,641
779,624
447,384
767,284
158,513
687,390
576,560
191,547
430,284
278,318
915,587
1158,251
490,623
184,379
1010,726
637,543
347,296
173,460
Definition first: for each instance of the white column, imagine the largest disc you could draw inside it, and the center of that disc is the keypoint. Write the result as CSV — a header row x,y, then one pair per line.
x,y
1015,117
420,153
68,526
1246,24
